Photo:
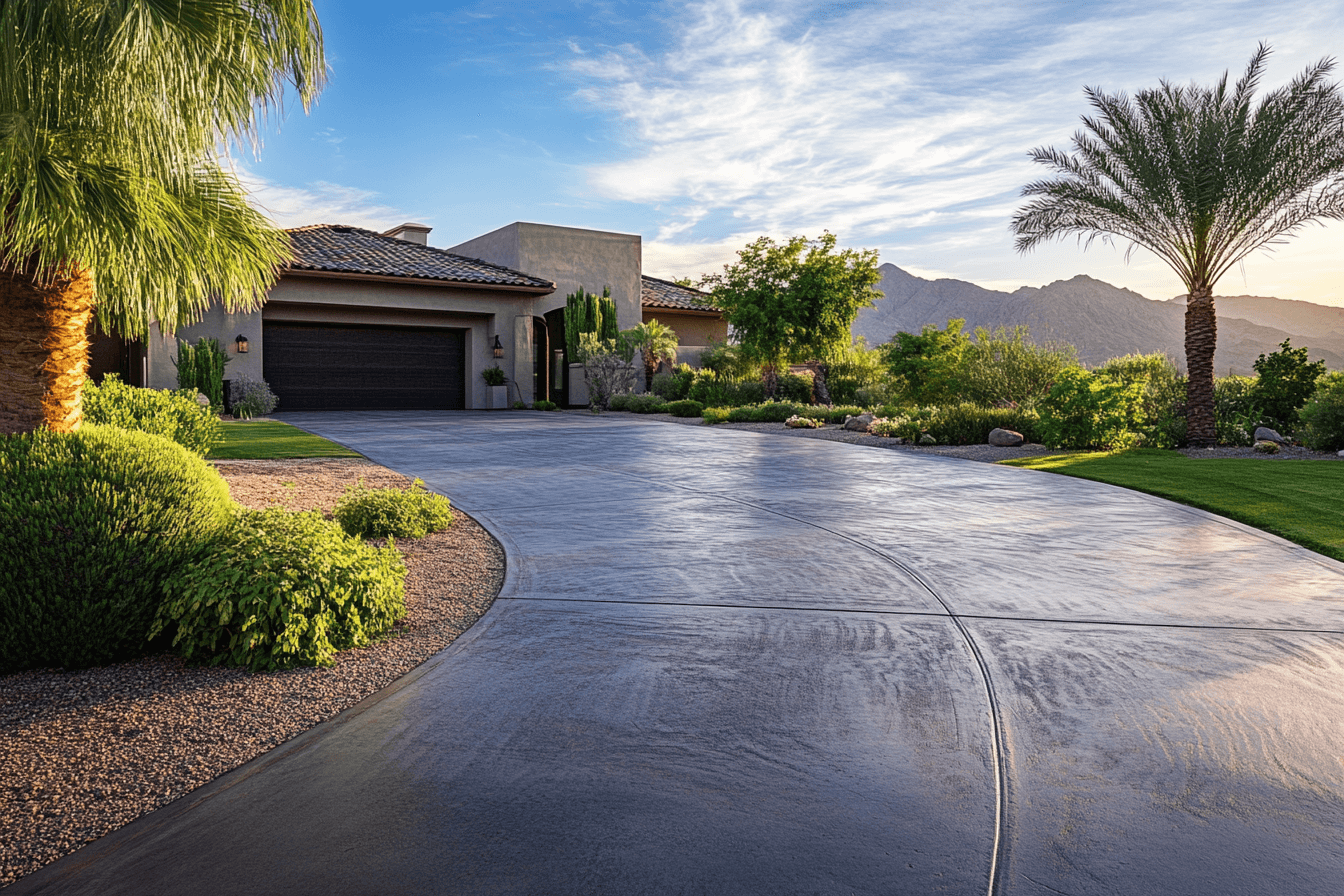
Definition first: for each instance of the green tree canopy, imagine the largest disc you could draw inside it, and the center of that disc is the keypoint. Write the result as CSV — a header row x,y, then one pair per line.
x,y
795,301
1200,177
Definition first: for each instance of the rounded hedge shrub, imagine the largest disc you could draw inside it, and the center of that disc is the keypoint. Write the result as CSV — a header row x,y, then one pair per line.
x,y
1323,415
1083,410
281,589
685,408
403,513
174,415
91,523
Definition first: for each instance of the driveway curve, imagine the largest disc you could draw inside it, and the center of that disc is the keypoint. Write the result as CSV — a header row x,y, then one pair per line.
x,y
726,662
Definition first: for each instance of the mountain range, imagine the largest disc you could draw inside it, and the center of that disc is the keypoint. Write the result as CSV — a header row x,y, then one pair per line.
x,y
1104,321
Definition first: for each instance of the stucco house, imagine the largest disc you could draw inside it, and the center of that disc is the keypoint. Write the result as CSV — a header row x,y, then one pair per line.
x,y
366,320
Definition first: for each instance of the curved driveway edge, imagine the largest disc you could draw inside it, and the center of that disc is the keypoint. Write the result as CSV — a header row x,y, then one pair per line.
x,y
725,662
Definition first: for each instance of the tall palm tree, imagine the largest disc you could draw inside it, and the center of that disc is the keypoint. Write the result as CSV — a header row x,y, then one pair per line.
x,y
657,342
1201,179
116,118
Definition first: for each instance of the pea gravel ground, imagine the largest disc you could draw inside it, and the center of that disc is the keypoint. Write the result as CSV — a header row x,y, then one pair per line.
x,y
83,753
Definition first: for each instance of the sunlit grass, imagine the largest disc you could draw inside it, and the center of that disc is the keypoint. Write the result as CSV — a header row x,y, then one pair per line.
x,y
1300,500
274,441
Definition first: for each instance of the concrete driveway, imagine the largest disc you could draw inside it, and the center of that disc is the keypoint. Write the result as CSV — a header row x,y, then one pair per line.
x,y
736,664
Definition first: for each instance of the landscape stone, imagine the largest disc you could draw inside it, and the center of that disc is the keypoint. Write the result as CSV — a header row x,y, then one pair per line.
x,y
1339,454
1264,446
1005,438
859,423
1265,434
926,439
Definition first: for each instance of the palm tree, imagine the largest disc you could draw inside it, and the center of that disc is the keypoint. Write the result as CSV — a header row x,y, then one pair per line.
x,y
1199,178
657,342
115,123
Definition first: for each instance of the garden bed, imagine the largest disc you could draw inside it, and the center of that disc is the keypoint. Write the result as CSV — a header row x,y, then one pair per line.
x,y
83,753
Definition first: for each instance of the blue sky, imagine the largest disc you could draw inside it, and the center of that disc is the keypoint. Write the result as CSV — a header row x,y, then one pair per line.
x,y
901,127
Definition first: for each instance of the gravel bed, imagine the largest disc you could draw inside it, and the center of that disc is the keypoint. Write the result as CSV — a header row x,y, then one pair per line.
x,y
83,753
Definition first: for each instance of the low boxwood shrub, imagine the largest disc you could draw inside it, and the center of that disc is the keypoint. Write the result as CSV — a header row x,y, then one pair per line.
x,y
91,523
404,513
281,589
715,391
676,385
686,408
174,415
620,402
716,415
646,404
545,406
1323,415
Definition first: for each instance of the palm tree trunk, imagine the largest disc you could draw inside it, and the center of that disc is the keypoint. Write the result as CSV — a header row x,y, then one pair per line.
x,y
1201,338
44,349
650,368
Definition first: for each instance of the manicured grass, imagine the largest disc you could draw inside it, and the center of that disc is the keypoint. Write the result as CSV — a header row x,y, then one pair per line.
x,y
1300,500
271,441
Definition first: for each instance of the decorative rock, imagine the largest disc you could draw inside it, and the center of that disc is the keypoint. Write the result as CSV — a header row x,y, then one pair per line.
x,y
1005,438
926,439
1339,454
859,423
1265,434
1265,446
202,399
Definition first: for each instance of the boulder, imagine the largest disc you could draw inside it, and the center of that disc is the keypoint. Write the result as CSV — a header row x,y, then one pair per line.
x,y
1265,446
859,423
1005,438
926,439
1265,434
1339,454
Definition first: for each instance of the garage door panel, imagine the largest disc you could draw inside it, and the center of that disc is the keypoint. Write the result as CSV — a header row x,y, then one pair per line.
x,y
346,367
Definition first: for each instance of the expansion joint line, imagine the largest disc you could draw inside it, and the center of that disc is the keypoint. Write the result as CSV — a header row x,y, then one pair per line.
x,y
997,735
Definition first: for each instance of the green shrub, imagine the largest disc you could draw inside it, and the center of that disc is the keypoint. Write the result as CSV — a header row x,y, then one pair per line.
x,y
1285,380
798,422
200,369
251,398
767,412
404,513
545,406
857,370
728,363
174,415
620,402
647,404
1163,403
887,427
712,390
1083,410
676,385
1236,412
281,589
685,408
716,415
1323,415
795,387
834,414
970,424
493,376
1004,365
90,525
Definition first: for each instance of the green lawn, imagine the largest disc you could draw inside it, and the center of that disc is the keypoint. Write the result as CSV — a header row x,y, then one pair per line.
x,y
1300,500
271,441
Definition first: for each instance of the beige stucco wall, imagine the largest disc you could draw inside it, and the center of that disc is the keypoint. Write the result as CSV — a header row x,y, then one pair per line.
x,y
483,313
691,329
570,256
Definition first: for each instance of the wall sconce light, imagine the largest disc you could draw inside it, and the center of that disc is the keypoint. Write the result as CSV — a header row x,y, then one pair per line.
x,y
241,343
498,349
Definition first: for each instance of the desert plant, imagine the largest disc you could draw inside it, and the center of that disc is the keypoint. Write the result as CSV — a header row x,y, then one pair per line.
x,y
715,390
200,368
174,415
1163,387
968,423
493,376
685,408
607,368
656,343
280,589
676,384
1322,416
1004,365
401,512
1285,380
93,522
1236,411
855,369
1083,410
251,398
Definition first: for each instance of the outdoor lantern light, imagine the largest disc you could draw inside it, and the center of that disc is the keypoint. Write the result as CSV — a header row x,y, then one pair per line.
x,y
499,349
241,342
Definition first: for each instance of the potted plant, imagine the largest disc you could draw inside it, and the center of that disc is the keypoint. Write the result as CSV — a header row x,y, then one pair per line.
x,y
495,385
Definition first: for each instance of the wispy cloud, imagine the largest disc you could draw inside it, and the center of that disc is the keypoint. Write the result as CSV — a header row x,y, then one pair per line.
x,y
320,203
904,129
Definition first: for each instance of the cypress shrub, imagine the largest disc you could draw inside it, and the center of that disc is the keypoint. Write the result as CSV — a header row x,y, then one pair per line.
x,y
91,523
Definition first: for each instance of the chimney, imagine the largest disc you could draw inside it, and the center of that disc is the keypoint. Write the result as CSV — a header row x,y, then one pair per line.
x,y
411,233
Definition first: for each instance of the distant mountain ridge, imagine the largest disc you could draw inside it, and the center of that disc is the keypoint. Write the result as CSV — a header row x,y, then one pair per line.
x,y
1102,320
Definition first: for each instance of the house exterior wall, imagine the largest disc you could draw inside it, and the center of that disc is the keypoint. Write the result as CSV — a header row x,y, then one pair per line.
x,y
570,256
483,313
691,328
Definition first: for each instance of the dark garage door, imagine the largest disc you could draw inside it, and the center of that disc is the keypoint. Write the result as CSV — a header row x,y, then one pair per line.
x,y
337,367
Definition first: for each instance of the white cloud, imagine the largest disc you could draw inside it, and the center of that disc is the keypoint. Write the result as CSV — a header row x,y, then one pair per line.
x,y
320,203
904,129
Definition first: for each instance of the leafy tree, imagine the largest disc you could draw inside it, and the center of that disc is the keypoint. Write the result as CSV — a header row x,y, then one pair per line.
x,y
657,342
795,301
1285,379
1201,179
927,363
114,118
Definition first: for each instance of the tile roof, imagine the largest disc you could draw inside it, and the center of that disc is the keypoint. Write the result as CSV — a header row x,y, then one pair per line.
x,y
655,293
353,250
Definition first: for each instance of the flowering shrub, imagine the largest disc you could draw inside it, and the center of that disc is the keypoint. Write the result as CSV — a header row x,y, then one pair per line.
x,y
796,422
251,398
889,427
